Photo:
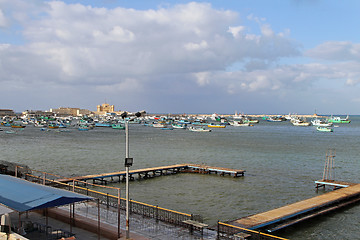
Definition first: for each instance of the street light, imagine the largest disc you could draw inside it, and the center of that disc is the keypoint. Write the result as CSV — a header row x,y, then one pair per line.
x,y
128,162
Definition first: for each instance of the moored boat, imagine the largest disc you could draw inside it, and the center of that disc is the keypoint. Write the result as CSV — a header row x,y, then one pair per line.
x,y
324,129
118,126
199,129
167,128
214,125
179,126
339,119
300,122
103,124
17,126
321,123
53,126
274,119
160,124
239,124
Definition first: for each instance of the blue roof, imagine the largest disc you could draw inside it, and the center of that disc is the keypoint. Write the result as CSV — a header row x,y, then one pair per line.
x,y
21,195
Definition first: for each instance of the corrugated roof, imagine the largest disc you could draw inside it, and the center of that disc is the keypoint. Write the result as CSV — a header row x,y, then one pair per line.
x,y
22,195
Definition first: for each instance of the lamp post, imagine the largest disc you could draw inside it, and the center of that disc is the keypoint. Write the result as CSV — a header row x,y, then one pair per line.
x,y
128,163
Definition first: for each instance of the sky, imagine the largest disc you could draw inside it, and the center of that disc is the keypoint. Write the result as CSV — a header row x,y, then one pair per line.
x,y
245,56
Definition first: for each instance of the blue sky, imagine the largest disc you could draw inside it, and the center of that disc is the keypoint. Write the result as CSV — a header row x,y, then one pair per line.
x,y
250,56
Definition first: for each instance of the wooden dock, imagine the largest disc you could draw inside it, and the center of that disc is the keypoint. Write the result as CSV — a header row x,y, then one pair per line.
x,y
288,215
155,172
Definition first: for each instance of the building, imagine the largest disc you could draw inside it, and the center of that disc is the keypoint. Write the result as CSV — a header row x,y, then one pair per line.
x,y
105,108
62,111
7,112
36,114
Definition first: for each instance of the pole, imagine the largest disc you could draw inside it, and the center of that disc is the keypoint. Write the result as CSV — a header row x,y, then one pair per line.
x,y
98,230
119,212
127,178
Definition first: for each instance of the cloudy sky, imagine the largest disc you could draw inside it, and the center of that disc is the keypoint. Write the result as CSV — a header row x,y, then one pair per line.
x,y
250,56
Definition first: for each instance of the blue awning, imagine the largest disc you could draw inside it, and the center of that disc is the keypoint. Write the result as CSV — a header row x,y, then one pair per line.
x,y
4,210
21,195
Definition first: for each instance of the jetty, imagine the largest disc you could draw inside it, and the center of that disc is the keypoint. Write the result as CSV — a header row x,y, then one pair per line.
x,y
152,172
282,217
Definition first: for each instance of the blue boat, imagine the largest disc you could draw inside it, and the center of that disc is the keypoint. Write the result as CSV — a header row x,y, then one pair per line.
x,y
83,128
103,124
167,128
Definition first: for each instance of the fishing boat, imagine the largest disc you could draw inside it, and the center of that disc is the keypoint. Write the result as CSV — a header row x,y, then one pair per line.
x,y
300,122
239,124
103,124
83,128
118,126
167,128
214,125
275,119
183,121
324,129
199,129
339,119
321,123
250,120
53,126
179,126
17,125
159,125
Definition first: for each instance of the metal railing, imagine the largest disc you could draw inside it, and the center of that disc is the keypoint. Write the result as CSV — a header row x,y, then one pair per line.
x,y
109,200
227,231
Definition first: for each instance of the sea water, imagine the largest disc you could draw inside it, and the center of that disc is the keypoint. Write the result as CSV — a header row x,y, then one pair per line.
x,y
281,162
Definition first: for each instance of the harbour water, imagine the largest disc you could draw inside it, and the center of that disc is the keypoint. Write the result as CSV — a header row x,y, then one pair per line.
x,y
281,162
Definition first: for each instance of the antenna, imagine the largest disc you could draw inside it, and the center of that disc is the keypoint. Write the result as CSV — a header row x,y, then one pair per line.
x,y
329,173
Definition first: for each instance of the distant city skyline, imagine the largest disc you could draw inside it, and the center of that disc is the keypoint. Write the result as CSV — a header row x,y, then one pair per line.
x,y
254,57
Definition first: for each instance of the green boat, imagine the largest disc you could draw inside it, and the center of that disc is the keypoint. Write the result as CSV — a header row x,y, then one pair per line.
x,y
118,126
339,119
324,129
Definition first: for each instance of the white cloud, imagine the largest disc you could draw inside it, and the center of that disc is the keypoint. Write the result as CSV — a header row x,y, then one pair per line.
x,y
191,45
116,34
236,31
196,46
129,84
266,30
85,43
338,51
202,78
3,20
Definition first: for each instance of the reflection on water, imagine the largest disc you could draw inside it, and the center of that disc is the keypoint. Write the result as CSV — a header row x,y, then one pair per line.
x,y
281,163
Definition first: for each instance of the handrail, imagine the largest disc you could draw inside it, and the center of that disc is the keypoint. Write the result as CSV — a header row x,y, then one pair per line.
x,y
102,194
252,231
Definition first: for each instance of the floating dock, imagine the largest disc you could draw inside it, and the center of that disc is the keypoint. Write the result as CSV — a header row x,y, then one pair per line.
x,y
155,172
282,217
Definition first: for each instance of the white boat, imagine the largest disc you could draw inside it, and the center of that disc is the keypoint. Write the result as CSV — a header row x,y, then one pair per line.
x,y
321,123
300,123
297,121
199,129
159,125
179,126
239,124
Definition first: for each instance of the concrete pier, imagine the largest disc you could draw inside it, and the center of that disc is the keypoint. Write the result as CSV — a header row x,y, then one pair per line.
x,y
288,215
